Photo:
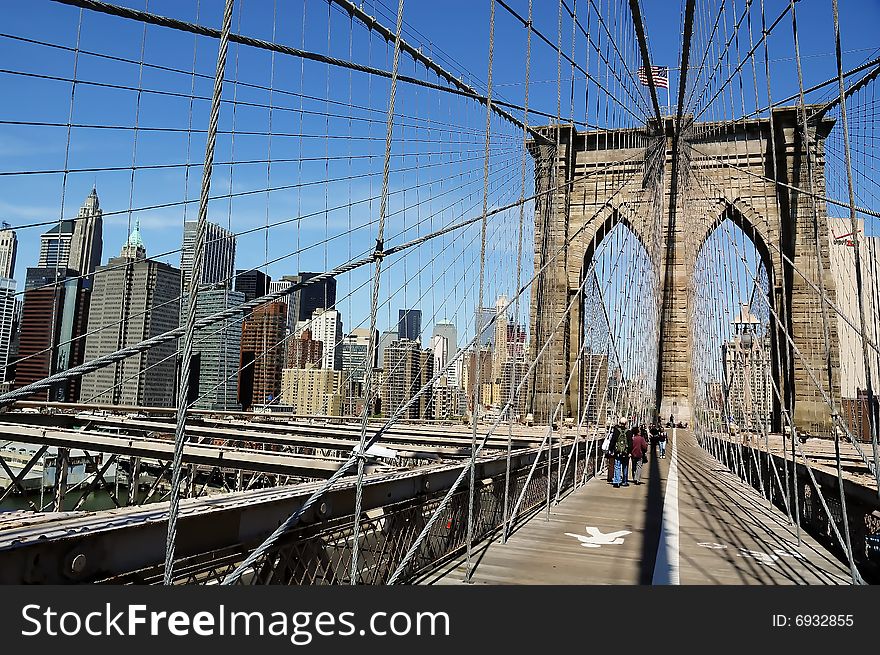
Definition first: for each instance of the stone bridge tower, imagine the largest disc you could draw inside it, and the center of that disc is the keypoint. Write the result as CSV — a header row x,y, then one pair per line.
x,y
588,182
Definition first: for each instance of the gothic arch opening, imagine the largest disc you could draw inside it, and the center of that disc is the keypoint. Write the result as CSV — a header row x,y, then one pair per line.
x,y
619,325
735,360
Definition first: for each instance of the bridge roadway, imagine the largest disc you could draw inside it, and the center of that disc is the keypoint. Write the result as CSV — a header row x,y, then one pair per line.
x,y
690,522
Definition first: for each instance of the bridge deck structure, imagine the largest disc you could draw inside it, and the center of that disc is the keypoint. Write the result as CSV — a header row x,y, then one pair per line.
x,y
691,521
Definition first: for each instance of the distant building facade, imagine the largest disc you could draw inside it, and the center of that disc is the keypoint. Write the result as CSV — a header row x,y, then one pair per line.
x,y
312,391
407,369
262,354
133,299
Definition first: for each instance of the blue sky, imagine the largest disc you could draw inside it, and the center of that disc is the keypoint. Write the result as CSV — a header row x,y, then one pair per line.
x,y
312,175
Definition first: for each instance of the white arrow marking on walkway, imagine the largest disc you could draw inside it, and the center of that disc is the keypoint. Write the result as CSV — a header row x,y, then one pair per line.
x,y
596,539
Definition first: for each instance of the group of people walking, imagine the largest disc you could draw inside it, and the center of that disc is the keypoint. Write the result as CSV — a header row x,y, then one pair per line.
x,y
629,447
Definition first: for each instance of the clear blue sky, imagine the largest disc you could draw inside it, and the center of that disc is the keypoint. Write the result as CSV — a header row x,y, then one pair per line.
x,y
454,31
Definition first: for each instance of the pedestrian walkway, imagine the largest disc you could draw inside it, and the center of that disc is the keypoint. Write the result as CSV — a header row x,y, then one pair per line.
x,y
690,522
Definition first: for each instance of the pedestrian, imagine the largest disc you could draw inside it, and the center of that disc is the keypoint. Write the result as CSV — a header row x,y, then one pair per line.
x,y
638,453
608,446
620,447
661,442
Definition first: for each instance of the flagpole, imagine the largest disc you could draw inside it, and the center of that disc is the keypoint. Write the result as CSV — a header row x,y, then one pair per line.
x,y
668,83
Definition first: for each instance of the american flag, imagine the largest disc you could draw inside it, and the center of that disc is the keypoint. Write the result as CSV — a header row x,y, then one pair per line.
x,y
660,73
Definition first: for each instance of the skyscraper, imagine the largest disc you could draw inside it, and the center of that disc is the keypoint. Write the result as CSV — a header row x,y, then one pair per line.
x,y
447,330
304,301
385,339
55,246
252,284
319,295
262,354
53,316
326,326
439,348
218,260
217,351
8,248
7,321
312,391
355,368
87,240
304,351
408,368
747,374
133,299
487,333
409,324
355,351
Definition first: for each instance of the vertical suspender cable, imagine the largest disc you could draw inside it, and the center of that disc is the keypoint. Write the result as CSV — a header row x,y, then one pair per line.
x,y
518,261
374,301
195,281
479,321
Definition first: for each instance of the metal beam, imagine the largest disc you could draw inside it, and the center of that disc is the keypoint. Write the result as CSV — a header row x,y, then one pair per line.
x,y
118,542
159,449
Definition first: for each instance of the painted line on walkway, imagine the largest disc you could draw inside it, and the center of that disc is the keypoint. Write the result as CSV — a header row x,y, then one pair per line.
x,y
666,570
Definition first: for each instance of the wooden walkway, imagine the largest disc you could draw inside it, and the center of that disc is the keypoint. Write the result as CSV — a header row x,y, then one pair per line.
x,y
690,522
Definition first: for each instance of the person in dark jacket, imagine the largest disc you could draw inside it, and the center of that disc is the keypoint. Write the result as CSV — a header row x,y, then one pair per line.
x,y
619,449
661,442
610,459
622,452
637,453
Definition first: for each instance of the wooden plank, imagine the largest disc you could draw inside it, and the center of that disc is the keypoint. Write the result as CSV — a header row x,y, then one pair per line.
x,y
728,534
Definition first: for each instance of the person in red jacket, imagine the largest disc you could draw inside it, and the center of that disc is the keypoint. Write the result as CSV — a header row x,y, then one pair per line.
x,y
638,452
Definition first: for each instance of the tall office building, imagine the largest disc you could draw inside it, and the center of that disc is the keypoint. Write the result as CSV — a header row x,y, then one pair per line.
x,y
7,322
218,260
448,331
133,298
8,249
304,301
483,316
13,340
304,351
473,357
326,326
262,355
385,339
407,368
87,239
312,391
439,348
499,353
253,284
217,351
747,374
355,352
53,317
55,245
320,295
449,401
355,368
409,324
